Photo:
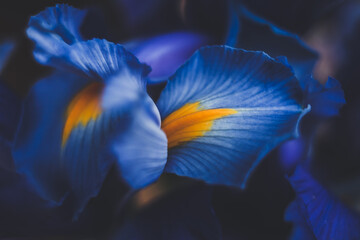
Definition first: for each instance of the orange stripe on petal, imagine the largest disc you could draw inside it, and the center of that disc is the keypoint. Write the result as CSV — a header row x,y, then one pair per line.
x,y
191,122
83,108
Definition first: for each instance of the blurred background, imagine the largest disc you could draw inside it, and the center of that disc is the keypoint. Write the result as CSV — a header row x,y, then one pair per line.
x,y
331,27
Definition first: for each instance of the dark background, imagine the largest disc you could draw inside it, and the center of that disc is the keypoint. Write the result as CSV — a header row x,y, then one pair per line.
x,y
332,27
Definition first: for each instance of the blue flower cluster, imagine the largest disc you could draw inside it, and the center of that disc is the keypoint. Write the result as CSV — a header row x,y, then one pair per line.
x,y
138,114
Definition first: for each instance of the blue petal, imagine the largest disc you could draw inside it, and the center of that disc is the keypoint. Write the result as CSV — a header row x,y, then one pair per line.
x,y
260,94
6,48
325,100
63,153
300,230
254,33
324,215
99,60
167,52
53,30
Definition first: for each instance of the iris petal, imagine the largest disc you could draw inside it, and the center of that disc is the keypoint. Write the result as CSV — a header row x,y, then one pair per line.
x,y
228,108
69,120
323,215
300,230
251,32
53,30
99,59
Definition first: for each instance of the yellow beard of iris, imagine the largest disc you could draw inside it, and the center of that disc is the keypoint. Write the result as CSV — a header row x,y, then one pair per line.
x,y
191,122
83,108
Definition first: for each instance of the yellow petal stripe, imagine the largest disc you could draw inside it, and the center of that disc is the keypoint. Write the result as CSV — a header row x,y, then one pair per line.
x,y
83,108
191,122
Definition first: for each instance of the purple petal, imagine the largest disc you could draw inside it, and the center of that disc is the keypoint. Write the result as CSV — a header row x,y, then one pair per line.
x,y
167,52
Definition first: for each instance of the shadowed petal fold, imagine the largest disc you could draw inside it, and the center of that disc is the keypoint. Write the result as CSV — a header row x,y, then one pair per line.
x,y
10,109
6,49
224,110
141,152
38,141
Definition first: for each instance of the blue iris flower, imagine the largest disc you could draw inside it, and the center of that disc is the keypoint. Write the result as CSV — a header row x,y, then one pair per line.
x,y
220,113
218,116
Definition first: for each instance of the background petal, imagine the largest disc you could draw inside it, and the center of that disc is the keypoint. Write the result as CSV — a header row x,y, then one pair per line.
x,y
10,109
167,52
232,107
324,215
325,100
10,104
301,230
251,32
